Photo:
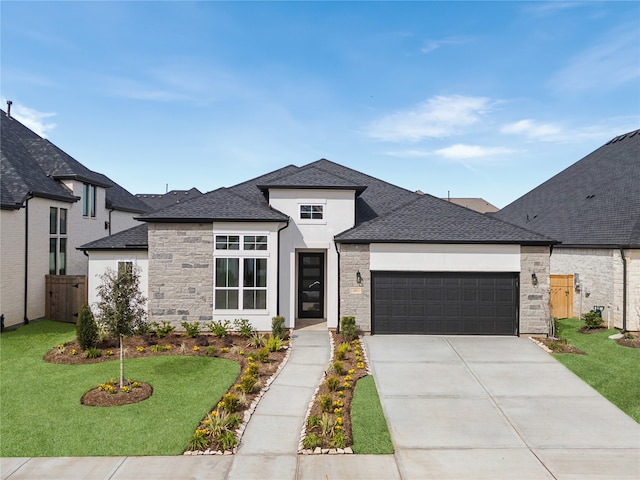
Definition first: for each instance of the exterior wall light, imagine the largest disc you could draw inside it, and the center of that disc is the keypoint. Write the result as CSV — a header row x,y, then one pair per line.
x,y
358,277
534,280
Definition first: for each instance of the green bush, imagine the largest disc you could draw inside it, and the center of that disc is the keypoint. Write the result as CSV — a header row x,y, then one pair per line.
x,y
275,344
257,340
86,328
339,440
338,367
191,329
219,328
326,403
592,320
92,353
162,330
243,326
277,327
333,383
311,441
348,327
263,355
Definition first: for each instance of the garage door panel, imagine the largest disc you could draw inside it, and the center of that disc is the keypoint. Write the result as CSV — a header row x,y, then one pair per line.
x,y
445,303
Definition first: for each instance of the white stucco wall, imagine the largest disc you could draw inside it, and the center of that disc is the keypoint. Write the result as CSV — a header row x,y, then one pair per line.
x,y
601,274
444,258
100,261
311,236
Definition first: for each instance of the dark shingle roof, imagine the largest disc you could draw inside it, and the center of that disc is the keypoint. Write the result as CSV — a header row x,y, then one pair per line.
x,y
163,200
427,219
219,205
595,201
131,239
33,165
312,177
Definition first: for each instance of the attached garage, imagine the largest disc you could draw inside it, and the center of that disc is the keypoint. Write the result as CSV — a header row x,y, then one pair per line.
x,y
445,303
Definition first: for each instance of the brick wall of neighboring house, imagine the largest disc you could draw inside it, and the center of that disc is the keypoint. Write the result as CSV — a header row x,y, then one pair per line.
x,y
633,292
534,299
355,299
12,266
600,272
180,273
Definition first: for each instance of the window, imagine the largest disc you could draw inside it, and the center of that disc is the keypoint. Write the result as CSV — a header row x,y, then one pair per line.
x,y
311,212
241,278
227,283
57,242
125,268
227,242
88,200
255,242
53,220
254,295
63,221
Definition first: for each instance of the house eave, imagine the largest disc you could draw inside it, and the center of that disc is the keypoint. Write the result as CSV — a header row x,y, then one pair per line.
x,y
444,241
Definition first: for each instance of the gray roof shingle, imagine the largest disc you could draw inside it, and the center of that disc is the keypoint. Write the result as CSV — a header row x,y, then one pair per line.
x,y
594,202
427,219
134,238
312,177
164,200
219,205
33,165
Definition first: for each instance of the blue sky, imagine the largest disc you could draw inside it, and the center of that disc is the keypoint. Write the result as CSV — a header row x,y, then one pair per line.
x,y
479,99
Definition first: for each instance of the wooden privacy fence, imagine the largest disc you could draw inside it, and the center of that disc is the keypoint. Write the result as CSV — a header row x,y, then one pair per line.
x,y
66,294
561,296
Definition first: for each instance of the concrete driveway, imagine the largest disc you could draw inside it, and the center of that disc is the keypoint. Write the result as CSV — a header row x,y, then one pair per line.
x,y
496,407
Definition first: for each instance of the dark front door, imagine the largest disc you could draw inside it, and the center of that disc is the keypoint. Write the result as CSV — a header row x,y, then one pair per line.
x,y
310,285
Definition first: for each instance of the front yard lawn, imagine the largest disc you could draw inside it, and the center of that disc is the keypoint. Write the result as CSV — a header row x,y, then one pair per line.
x,y
368,424
613,370
41,413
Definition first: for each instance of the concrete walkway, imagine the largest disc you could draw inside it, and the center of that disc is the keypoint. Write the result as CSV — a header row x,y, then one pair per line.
x,y
496,407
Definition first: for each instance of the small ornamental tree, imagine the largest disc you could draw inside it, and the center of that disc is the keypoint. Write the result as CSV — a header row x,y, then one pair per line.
x,y
120,306
86,328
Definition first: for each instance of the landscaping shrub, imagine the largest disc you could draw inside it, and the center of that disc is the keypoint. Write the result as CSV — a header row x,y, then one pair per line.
x,y
191,329
348,327
162,330
326,403
263,355
243,326
592,320
333,383
277,327
86,328
257,340
275,344
219,328
311,441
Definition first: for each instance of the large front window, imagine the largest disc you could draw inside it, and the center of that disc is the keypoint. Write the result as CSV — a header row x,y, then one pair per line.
x,y
57,241
240,272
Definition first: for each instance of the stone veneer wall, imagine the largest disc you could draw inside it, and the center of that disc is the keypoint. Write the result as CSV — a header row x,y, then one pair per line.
x,y
534,299
355,299
180,273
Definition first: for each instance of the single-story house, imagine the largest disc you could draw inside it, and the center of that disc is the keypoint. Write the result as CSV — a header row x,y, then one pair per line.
x,y
593,208
323,241
50,204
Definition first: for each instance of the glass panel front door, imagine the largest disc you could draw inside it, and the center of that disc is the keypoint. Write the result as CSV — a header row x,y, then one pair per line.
x,y
311,285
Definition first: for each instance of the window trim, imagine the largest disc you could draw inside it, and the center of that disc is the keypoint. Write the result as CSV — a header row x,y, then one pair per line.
x,y
315,211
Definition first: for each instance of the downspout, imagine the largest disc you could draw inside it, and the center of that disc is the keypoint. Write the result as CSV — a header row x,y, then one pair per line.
x,y
278,270
338,252
624,290
26,256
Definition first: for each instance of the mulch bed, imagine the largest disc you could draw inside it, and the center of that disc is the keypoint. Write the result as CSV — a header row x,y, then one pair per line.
x,y
629,342
150,345
350,363
558,346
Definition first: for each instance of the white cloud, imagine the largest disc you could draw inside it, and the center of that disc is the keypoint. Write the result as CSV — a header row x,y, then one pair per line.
x,y
547,132
604,66
438,117
33,119
465,152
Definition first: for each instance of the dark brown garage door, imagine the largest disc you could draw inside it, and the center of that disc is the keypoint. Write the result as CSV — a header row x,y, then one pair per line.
x,y
440,303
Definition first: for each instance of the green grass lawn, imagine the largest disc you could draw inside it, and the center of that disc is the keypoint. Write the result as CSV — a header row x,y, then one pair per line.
x,y
613,370
41,413
368,425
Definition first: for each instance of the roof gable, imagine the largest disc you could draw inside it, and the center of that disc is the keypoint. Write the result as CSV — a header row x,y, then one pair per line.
x,y
312,177
595,201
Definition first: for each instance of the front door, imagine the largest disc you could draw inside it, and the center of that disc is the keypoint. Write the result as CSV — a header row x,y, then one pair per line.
x,y
310,285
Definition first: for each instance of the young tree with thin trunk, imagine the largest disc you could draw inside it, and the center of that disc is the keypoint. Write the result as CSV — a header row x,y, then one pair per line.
x,y
121,304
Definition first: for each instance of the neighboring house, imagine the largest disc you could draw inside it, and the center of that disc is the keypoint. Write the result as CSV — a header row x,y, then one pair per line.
x,y
322,241
593,208
477,204
50,204
157,201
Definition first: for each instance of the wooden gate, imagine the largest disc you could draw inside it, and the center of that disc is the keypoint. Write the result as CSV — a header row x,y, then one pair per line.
x,y
66,294
561,296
